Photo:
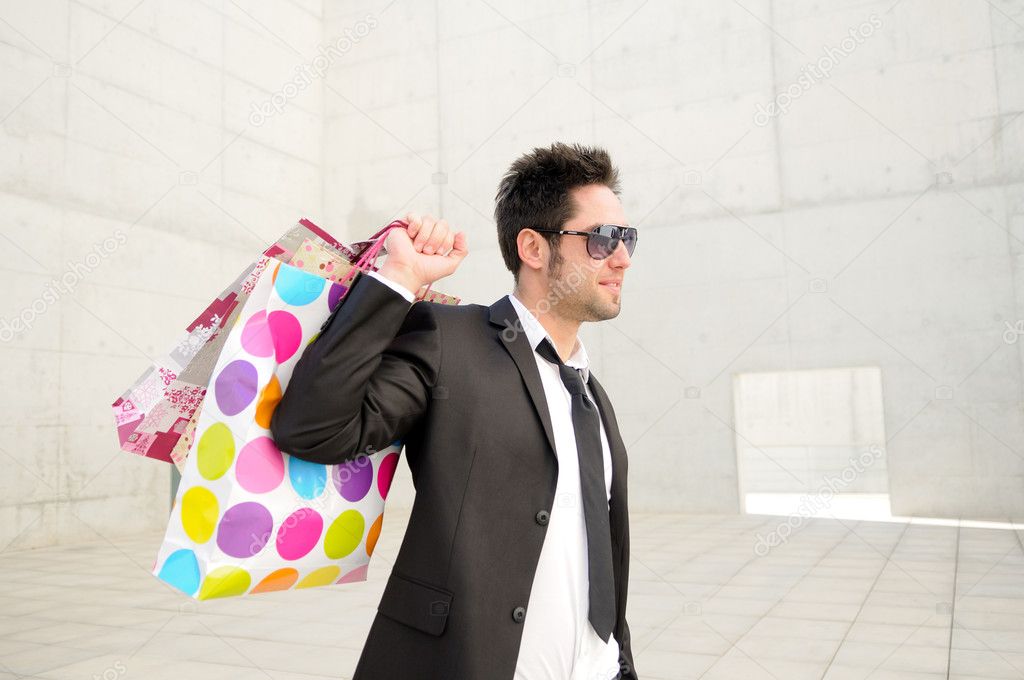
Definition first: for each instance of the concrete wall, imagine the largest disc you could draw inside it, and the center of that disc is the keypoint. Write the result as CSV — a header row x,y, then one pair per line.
x,y
811,432
133,172
873,218
878,221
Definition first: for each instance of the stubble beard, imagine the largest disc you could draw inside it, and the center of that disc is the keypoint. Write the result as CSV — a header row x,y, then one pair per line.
x,y
576,294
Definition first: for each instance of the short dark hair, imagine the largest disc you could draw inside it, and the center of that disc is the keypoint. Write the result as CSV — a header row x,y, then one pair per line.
x,y
534,193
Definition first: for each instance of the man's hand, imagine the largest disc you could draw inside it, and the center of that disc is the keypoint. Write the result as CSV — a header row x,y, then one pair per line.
x,y
423,253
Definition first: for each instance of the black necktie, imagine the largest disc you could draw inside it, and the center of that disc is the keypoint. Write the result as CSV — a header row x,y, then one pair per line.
x,y
586,421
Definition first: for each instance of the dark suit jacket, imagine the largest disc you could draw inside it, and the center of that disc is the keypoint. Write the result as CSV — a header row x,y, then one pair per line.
x,y
461,388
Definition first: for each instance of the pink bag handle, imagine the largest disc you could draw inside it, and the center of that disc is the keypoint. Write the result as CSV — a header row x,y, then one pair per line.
x,y
372,252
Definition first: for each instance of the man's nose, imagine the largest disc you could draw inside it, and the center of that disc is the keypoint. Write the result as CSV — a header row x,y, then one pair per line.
x,y
621,257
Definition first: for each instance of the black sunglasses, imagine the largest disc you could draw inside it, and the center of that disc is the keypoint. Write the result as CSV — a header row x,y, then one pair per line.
x,y
603,239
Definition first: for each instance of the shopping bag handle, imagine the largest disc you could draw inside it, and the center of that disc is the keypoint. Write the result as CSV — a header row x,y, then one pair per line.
x,y
372,252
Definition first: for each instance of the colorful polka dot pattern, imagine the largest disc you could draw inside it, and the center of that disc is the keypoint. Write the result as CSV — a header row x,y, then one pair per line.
x,y
260,466
308,479
181,570
199,511
249,518
299,533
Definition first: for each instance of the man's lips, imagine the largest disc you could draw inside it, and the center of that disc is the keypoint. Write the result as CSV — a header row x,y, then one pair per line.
x,y
613,284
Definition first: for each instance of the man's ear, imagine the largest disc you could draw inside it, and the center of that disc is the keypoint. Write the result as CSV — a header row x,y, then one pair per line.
x,y
533,249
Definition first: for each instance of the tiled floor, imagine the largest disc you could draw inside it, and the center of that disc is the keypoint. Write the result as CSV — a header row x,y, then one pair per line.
x,y
709,598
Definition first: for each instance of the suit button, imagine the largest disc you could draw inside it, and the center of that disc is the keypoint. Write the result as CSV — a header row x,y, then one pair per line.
x,y
542,517
518,614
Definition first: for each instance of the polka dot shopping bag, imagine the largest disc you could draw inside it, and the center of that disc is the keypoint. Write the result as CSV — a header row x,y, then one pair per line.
x,y
248,518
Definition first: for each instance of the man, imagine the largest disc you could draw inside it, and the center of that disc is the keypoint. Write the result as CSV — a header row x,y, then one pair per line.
x,y
515,563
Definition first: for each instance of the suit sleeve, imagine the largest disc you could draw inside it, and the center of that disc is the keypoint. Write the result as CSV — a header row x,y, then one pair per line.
x,y
397,287
364,381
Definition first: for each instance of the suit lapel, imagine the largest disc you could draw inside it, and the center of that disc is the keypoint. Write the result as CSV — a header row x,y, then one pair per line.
x,y
615,444
513,338
618,519
618,514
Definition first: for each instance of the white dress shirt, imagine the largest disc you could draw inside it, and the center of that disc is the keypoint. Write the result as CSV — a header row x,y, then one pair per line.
x,y
559,642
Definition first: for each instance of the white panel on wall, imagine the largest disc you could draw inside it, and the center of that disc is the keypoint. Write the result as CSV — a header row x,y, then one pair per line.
x,y
802,431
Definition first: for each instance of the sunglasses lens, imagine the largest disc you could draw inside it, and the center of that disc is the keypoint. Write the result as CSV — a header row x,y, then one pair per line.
x,y
629,238
605,240
601,246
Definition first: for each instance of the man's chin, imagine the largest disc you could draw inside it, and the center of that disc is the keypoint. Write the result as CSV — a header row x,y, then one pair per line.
x,y
605,311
